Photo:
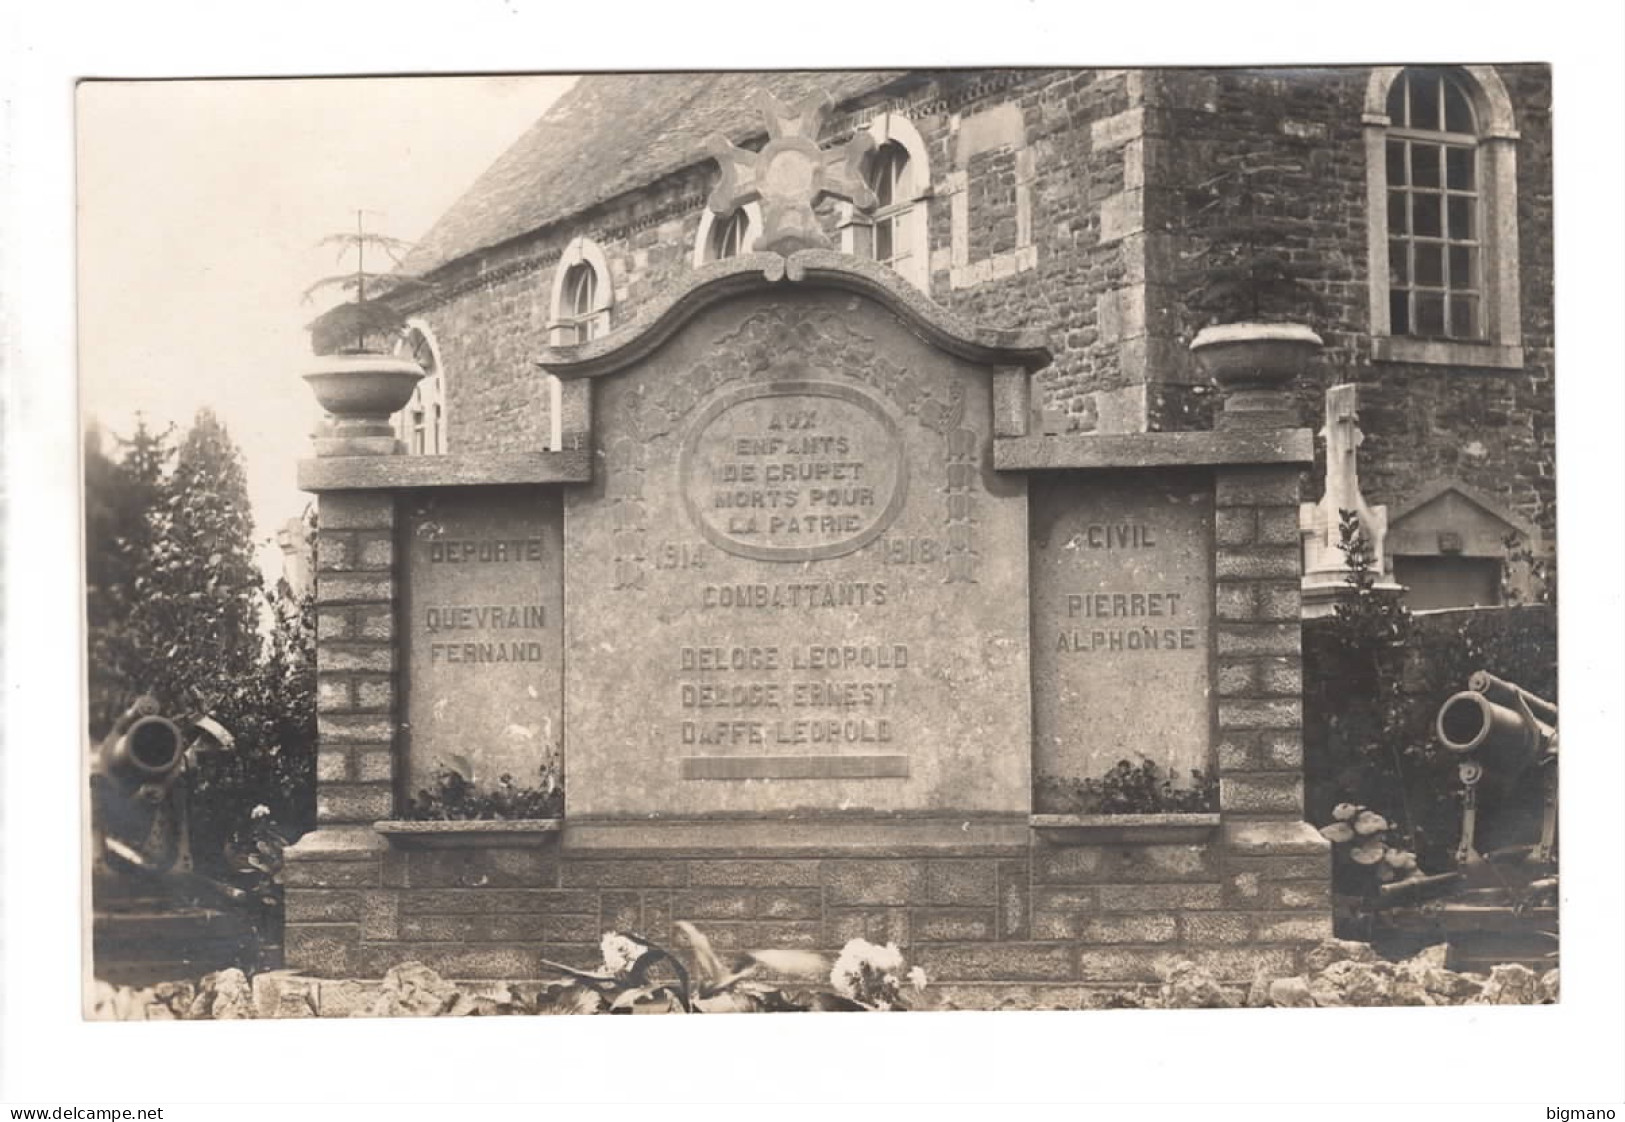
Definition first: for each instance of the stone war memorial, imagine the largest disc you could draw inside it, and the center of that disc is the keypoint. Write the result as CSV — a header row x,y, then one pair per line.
x,y
819,627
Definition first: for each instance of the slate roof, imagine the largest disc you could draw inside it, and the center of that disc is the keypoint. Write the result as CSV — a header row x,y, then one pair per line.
x,y
608,134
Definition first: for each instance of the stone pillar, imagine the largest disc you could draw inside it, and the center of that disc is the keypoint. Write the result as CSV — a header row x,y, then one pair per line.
x,y
335,875
355,656
1276,866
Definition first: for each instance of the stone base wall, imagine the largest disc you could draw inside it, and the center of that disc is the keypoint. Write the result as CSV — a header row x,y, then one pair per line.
x,y
988,902
1061,915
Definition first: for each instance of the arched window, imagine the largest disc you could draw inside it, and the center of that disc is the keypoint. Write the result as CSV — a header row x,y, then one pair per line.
x,y
580,291
728,237
890,180
1435,282
1442,189
722,237
899,173
422,424
581,294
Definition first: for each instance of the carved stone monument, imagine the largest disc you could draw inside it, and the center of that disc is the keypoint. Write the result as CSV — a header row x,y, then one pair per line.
x,y
807,610
817,587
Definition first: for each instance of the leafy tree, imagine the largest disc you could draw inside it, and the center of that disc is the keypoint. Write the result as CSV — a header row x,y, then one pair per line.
x,y
1380,756
272,713
121,498
201,595
175,604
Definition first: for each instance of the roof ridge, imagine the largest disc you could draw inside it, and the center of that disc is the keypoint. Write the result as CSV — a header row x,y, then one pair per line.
x,y
607,134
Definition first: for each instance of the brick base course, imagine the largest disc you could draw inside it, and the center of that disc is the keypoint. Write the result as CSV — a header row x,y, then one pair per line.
x,y
1084,914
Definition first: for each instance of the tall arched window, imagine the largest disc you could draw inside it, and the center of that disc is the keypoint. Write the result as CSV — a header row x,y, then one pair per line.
x,y
720,237
422,424
581,294
580,291
1434,214
728,236
1442,194
899,173
891,182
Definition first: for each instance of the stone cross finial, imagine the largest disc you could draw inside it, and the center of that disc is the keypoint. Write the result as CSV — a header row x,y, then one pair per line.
x,y
790,173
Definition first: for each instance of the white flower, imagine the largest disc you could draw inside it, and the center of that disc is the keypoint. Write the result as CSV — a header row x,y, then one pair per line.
x,y
619,953
916,978
868,973
847,973
886,959
260,811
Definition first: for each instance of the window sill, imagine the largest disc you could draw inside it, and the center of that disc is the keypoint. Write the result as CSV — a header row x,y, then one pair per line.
x,y
1443,352
1097,829
505,833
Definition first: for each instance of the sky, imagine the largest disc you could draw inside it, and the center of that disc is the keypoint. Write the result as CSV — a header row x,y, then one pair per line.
x,y
200,206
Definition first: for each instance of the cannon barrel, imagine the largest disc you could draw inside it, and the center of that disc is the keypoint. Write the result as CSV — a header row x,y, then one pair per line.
x,y
1469,721
1498,726
150,748
1508,693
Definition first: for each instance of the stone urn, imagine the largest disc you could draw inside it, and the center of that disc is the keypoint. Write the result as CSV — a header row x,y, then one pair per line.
x,y
1254,356
362,391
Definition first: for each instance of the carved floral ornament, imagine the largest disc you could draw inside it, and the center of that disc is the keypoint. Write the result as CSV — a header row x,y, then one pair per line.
x,y
786,341
790,174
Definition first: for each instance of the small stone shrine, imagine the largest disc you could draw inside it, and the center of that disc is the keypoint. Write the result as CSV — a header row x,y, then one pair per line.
x,y
815,620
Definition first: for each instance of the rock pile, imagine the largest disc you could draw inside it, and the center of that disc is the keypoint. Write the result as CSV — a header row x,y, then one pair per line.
x,y
1342,973
1336,973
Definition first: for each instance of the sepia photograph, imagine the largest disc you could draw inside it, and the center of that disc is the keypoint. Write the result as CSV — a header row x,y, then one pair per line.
x,y
842,540
1045,525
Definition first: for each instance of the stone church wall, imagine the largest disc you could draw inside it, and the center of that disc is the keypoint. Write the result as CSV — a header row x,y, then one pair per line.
x,y
1057,201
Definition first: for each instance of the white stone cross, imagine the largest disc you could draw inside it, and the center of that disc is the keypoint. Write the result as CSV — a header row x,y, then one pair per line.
x,y
1325,568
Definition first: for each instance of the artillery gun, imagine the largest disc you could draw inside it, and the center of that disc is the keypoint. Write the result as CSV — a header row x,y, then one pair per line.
x,y
1500,904
1507,740
155,917
140,784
